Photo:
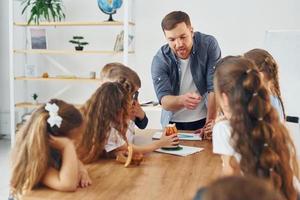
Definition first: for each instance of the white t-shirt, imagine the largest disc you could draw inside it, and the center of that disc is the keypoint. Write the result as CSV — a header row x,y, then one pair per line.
x,y
277,105
222,144
115,140
187,85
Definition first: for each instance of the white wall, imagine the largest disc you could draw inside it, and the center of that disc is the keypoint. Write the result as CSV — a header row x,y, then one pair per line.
x,y
4,67
237,25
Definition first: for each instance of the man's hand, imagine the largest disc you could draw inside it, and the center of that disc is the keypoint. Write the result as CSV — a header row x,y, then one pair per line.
x,y
190,100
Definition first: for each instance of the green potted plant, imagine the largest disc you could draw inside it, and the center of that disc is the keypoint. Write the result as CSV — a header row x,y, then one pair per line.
x,y
80,44
35,96
44,10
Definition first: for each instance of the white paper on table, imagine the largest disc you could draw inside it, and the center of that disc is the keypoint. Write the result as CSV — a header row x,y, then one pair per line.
x,y
181,136
185,151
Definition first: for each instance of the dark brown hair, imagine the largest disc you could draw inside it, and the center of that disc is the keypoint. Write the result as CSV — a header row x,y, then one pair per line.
x,y
238,187
108,107
173,18
260,138
267,65
72,118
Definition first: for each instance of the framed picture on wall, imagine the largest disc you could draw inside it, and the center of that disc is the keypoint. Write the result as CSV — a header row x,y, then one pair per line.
x,y
38,38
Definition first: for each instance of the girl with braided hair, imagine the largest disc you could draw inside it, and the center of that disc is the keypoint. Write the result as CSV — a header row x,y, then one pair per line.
x,y
251,139
269,69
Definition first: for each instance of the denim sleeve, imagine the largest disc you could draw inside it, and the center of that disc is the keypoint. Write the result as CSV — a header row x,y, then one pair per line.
x,y
160,78
214,55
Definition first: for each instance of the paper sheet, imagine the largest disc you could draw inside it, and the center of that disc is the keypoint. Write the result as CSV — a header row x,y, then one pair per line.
x,y
181,135
185,151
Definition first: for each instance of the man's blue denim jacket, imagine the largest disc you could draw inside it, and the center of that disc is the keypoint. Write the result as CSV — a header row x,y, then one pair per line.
x,y
166,73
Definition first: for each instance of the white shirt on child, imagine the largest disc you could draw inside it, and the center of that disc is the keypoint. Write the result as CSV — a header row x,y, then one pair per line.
x,y
115,140
222,144
275,102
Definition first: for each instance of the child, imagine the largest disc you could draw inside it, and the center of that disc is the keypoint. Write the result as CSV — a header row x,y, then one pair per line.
x,y
105,113
251,140
117,71
43,153
269,69
121,73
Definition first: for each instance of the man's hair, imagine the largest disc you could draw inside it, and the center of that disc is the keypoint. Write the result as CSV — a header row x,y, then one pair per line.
x,y
173,18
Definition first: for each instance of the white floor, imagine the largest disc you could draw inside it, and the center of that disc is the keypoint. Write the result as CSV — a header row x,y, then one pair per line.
x,y
4,168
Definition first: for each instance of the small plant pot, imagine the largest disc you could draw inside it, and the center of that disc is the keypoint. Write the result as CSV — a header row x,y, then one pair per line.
x,y
79,48
35,102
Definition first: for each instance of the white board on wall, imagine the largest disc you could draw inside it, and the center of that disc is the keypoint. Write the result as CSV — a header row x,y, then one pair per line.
x,y
285,48
284,45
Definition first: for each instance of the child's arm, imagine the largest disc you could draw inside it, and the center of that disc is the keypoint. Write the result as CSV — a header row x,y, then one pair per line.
x,y
141,119
230,166
66,179
163,141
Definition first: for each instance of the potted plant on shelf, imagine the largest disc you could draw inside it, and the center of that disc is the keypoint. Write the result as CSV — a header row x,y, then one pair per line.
x,y
44,10
80,44
35,96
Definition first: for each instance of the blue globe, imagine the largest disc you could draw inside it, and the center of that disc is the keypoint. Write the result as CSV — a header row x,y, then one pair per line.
x,y
109,7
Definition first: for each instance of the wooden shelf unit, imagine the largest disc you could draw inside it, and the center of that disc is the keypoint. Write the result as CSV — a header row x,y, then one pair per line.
x,y
75,23
16,24
35,105
68,52
79,79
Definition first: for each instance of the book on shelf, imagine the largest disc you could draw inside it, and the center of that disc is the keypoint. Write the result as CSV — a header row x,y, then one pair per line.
x,y
119,43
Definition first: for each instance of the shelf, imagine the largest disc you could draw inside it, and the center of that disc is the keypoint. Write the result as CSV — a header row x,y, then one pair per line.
x,y
23,78
34,105
68,52
75,23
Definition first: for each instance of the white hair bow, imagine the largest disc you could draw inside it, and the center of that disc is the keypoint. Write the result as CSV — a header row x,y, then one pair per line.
x,y
54,118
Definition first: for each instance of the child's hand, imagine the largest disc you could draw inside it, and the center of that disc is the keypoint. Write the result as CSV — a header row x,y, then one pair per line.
x,y
137,158
206,131
137,110
59,143
171,140
84,178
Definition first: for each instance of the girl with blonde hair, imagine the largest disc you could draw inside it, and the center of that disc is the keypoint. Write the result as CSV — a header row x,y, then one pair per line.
x,y
251,139
44,154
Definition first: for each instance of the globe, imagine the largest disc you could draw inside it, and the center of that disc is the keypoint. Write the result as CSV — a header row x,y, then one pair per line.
x,y
109,7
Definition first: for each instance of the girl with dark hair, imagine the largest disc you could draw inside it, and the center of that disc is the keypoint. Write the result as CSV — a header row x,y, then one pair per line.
x,y
269,70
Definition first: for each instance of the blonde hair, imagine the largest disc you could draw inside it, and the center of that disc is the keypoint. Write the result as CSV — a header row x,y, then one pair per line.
x,y
31,154
117,71
108,107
